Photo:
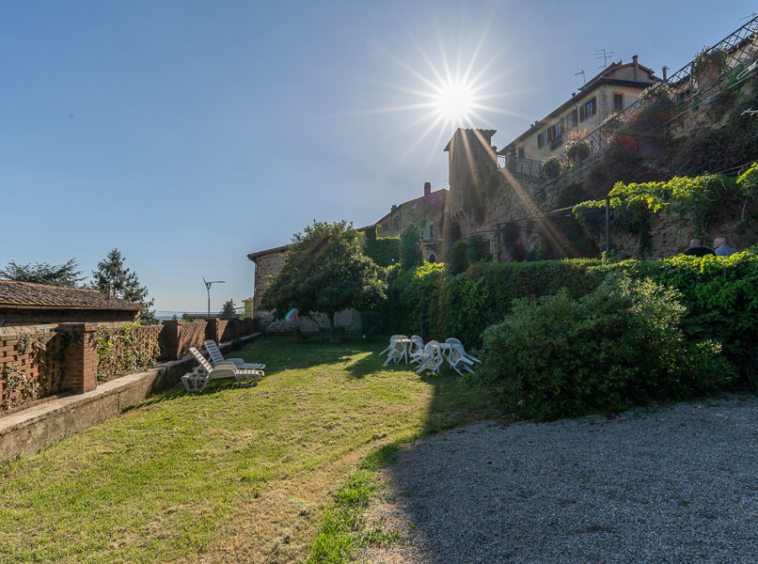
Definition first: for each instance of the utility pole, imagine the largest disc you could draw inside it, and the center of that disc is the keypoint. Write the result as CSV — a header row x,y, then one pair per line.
x,y
208,288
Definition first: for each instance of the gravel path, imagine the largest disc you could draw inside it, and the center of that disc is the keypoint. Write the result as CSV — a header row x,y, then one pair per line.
x,y
670,484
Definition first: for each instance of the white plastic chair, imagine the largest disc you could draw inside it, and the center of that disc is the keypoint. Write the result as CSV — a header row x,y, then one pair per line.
x,y
197,380
432,358
218,358
416,349
451,341
457,359
396,350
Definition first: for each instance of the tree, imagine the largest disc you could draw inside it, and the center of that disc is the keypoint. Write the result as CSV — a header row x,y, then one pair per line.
x,y
227,310
410,247
43,273
324,271
124,284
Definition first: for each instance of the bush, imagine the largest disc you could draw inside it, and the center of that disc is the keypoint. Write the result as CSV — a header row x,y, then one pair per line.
x,y
552,167
410,247
619,346
718,292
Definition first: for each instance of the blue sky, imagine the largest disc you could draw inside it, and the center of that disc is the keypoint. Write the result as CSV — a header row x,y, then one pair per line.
x,y
188,134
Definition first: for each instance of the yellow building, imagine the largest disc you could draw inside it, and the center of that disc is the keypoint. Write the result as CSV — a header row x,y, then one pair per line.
x,y
610,92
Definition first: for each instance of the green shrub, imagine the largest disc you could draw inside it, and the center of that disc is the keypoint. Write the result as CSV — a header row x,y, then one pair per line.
x,y
619,346
719,294
552,167
410,247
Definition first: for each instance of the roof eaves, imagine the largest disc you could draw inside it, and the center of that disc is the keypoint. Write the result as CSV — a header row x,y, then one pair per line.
x,y
254,256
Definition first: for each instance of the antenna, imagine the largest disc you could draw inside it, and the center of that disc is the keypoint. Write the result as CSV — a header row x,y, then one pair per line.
x,y
584,79
603,54
751,16
208,285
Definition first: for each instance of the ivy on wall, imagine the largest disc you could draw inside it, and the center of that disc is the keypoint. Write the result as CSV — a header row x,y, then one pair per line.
x,y
693,201
124,350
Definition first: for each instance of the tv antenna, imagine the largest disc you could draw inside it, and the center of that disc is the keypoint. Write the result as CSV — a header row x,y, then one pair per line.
x,y
584,79
603,54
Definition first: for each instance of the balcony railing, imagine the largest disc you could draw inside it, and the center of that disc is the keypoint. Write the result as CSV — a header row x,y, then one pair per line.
x,y
516,165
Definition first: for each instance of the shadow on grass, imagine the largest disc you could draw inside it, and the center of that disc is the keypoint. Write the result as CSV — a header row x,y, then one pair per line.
x,y
177,391
452,404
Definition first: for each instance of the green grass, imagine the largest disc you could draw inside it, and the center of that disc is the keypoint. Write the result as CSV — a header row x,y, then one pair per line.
x,y
230,474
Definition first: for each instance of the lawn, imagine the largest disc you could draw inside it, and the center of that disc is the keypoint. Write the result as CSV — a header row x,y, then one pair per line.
x,y
230,474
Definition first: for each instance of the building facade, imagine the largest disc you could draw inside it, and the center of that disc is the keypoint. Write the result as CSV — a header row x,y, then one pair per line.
x,y
613,90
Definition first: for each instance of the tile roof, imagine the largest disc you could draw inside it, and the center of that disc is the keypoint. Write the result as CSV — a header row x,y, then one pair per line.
x,y
27,294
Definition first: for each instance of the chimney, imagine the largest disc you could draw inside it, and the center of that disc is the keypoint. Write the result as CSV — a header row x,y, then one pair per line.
x,y
394,207
636,66
108,291
665,70
427,188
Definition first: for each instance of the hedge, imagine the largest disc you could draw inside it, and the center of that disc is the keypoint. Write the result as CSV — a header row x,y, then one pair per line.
x,y
720,294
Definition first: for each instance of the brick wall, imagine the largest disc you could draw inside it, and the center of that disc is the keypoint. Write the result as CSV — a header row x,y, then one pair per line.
x,y
180,335
126,350
31,367
37,364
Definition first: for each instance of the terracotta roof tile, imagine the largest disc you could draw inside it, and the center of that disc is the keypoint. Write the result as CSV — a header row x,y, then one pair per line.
x,y
20,294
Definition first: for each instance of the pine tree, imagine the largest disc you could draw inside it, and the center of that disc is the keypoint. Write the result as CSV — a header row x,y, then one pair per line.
x,y
44,273
124,284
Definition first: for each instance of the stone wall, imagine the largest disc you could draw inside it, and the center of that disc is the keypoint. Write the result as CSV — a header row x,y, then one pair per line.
x,y
266,266
526,207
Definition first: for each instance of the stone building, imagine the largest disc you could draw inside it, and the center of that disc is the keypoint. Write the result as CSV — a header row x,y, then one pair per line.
x,y
27,305
613,90
427,212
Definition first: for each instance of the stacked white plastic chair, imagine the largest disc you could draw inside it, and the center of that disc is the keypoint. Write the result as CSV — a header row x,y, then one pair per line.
x,y
396,350
416,350
431,359
457,359
454,342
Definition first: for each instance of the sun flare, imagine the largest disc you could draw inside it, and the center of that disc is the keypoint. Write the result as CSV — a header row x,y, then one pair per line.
x,y
455,102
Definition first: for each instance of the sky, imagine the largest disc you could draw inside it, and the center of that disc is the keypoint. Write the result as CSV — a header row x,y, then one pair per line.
x,y
188,134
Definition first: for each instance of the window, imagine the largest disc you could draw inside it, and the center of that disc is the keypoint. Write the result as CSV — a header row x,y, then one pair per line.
x,y
587,110
554,132
542,139
521,152
431,231
572,120
618,102
385,227
396,222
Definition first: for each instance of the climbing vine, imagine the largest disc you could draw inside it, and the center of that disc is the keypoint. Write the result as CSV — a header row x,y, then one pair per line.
x,y
124,350
693,201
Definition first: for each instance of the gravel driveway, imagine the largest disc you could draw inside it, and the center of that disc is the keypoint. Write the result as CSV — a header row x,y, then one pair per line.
x,y
669,484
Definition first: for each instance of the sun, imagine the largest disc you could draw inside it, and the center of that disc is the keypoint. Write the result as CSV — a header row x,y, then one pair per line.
x,y
455,102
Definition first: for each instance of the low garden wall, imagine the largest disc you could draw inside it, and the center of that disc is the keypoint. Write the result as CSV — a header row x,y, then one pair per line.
x,y
31,367
76,357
